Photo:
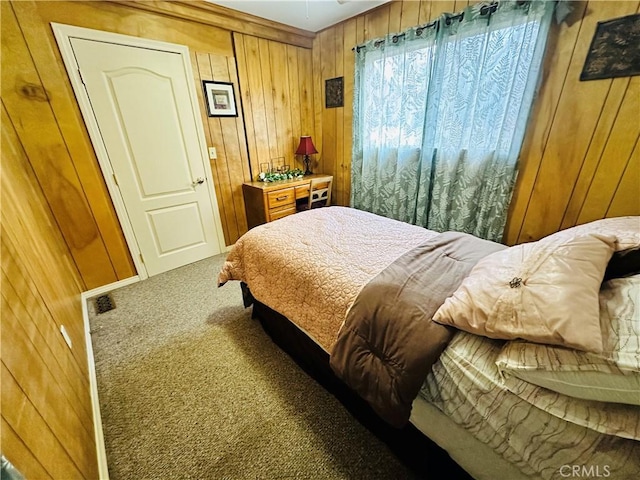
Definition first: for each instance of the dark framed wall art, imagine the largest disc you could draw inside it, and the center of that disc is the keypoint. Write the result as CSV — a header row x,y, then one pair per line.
x,y
333,92
614,50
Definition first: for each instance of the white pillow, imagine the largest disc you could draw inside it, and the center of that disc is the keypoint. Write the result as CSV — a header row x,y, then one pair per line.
x,y
626,230
612,376
544,291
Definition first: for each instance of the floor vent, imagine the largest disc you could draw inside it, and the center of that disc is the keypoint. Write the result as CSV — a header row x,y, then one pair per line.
x,y
104,303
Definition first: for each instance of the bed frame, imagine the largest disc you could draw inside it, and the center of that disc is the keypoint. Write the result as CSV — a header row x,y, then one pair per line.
x,y
412,447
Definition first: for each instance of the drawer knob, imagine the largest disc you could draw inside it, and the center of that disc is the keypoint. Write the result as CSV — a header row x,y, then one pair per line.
x,y
284,197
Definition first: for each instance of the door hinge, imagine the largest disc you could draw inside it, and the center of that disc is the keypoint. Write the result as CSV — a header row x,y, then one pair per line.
x,y
81,78
115,179
141,258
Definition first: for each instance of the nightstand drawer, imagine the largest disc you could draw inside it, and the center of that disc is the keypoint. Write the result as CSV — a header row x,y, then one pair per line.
x,y
280,198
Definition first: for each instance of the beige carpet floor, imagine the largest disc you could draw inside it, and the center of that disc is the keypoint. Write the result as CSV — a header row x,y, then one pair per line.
x,y
192,388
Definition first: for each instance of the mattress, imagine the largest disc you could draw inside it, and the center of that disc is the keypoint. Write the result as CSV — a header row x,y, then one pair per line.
x,y
465,385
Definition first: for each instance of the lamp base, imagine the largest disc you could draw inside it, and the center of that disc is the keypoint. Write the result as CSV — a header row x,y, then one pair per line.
x,y
307,161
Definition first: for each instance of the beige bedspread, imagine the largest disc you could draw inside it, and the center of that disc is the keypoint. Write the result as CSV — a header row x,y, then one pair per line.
x,y
347,247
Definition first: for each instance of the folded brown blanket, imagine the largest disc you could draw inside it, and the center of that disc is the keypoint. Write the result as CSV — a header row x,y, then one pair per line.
x,y
388,342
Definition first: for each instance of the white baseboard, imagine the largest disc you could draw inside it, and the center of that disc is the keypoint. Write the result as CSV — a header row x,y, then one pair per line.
x,y
112,286
103,470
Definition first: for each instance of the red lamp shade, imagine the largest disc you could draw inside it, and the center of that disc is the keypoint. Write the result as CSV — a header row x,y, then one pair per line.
x,y
306,146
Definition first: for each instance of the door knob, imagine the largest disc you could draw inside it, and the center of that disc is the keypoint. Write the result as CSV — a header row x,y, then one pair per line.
x,y
197,181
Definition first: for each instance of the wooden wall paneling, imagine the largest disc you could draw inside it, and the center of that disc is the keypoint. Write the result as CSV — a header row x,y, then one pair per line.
x,y
29,465
579,108
349,68
318,95
22,416
626,200
233,140
306,75
156,25
440,7
295,112
276,90
27,104
44,263
267,91
559,53
360,29
219,16
338,158
223,189
196,60
615,157
253,98
23,307
41,43
246,80
241,133
377,22
281,101
46,401
597,145
410,14
30,222
46,394
425,11
395,16
328,153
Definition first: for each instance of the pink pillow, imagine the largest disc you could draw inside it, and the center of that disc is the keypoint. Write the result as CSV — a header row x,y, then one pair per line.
x,y
544,292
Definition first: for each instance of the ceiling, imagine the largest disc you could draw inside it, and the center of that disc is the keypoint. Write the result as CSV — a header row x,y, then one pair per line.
x,y
312,15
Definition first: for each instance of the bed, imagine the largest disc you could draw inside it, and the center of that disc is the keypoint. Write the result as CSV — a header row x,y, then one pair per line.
x,y
317,278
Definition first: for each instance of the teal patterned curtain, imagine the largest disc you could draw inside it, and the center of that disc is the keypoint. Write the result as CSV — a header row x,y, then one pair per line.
x,y
440,113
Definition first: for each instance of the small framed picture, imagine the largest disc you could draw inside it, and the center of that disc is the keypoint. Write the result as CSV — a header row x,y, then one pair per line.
x,y
333,91
220,99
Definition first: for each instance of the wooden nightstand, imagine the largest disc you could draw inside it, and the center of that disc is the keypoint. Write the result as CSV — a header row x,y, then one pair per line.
x,y
268,201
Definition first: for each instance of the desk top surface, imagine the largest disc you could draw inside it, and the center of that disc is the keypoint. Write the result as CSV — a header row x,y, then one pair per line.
x,y
294,182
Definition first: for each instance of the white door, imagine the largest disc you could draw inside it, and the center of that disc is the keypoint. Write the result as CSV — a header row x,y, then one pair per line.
x,y
141,101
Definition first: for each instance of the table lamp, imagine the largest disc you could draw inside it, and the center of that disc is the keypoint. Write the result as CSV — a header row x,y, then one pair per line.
x,y
306,148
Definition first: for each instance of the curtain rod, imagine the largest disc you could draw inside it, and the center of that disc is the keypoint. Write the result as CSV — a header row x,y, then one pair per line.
x,y
396,37
487,9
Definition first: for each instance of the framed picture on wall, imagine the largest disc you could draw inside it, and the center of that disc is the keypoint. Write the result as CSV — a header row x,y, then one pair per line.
x,y
614,50
333,91
219,99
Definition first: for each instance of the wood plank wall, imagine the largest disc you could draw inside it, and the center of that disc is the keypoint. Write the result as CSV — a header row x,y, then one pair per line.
x,y
277,99
227,134
580,157
47,419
